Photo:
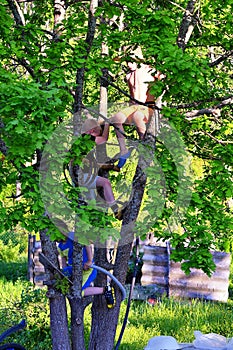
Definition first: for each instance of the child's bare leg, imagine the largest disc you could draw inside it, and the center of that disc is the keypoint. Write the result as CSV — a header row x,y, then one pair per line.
x,y
140,121
107,291
93,291
118,119
107,187
109,196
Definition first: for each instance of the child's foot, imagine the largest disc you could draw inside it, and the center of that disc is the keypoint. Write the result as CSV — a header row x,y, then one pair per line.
x,y
122,159
110,297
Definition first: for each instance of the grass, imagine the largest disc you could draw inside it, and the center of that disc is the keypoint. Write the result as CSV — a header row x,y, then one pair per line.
x,y
178,318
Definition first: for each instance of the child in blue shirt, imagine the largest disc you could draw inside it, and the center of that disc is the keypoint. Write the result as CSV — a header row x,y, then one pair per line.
x,y
66,250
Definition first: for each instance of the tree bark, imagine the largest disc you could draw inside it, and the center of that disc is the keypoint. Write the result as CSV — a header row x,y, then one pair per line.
x,y
77,324
58,322
103,319
57,301
187,25
77,303
17,13
80,72
59,15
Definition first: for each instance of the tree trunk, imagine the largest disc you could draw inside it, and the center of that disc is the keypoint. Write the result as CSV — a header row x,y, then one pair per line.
x,y
57,301
58,322
103,328
59,16
77,330
104,87
104,321
76,301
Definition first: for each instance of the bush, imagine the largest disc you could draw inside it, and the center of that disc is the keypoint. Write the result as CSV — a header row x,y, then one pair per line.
x,y
34,307
14,244
9,252
13,271
21,300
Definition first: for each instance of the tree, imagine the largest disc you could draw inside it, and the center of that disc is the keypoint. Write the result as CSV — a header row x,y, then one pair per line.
x,y
51,66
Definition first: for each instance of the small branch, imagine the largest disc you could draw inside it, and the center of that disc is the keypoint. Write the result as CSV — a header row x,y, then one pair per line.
x,y
221,59
24,63
20,21
221,142
177,5
208,111
224,100
190,115
204,156
13,196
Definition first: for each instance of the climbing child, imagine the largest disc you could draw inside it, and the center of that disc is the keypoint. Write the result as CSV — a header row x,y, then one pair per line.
x,y
91,127
65,248
139,78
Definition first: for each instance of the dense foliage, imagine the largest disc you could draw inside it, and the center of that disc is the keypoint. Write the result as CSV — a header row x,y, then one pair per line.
x,y
38,80
52,62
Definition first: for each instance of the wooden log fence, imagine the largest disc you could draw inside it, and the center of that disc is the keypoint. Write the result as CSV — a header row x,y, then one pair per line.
x,y
159,269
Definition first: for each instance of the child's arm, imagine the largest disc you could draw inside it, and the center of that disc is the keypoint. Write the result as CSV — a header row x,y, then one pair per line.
x,y
63,251
89,258
104,137
63,262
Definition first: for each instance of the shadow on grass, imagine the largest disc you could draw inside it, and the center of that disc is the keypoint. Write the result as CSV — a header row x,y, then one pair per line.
x,y
130,346
12,271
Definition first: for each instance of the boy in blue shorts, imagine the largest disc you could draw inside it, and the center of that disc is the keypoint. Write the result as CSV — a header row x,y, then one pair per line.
x,y
65,248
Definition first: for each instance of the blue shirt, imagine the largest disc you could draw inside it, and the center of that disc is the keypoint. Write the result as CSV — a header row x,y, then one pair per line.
x,y
69,244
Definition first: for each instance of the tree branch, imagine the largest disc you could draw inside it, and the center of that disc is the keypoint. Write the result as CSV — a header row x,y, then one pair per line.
x,y
80,72
27,66
221,58
221,142
187,25
208,111
197,103
59,15
17,13
20,21
3,147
